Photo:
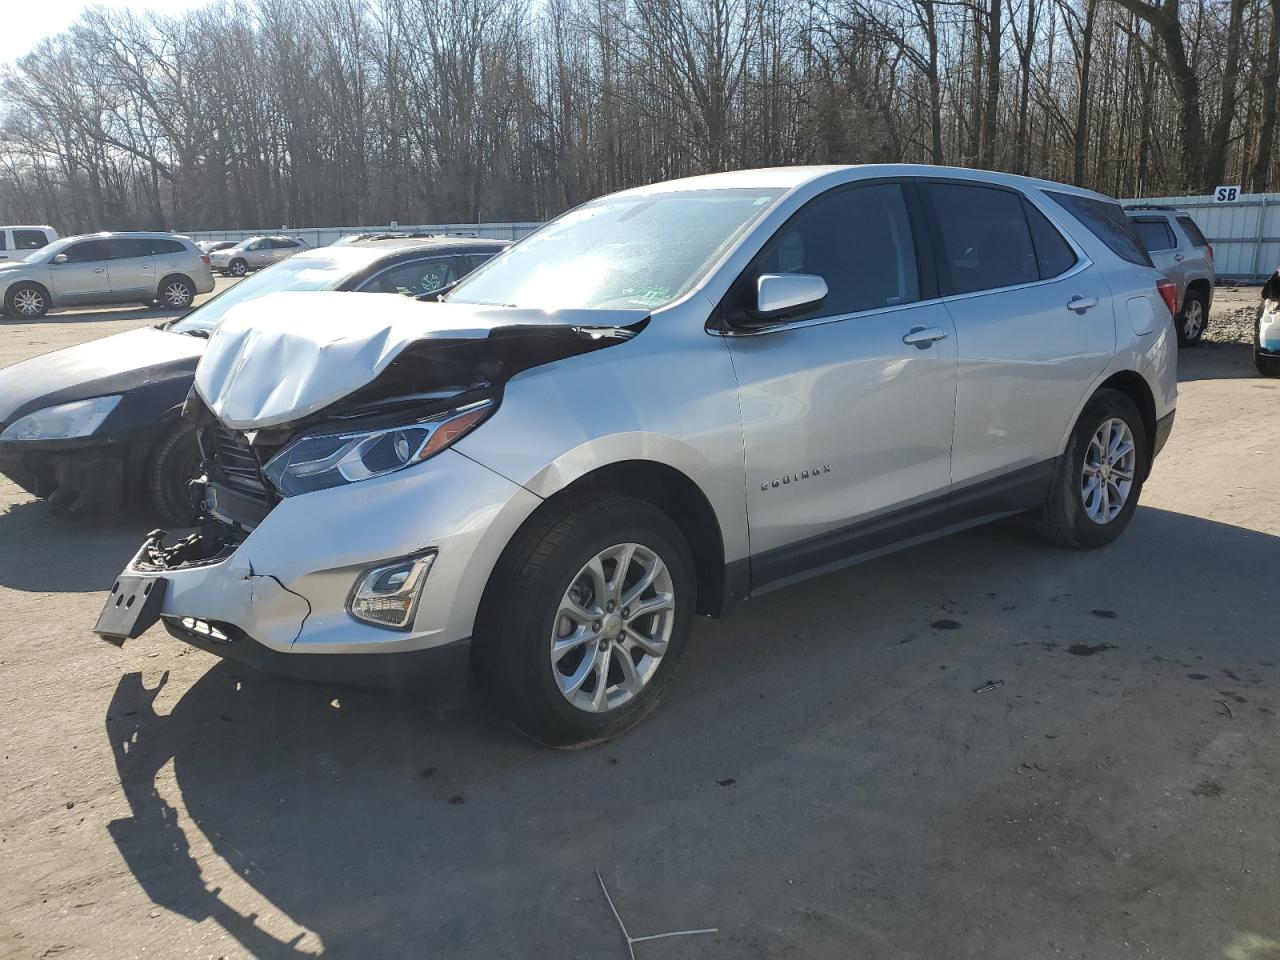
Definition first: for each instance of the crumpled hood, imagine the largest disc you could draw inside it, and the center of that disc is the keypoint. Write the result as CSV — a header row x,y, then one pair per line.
x,y
287,355
97,368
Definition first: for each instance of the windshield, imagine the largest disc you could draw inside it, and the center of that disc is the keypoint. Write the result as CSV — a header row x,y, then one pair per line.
x,y
300,272
629,251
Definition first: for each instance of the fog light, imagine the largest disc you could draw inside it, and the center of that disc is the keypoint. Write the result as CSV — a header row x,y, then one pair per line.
x,y
387,596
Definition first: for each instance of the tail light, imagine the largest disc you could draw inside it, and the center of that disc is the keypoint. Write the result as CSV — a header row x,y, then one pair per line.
x,y
1168,291
1209,249
205,260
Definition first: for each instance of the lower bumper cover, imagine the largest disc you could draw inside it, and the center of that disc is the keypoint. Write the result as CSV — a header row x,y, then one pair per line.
x,y
436,676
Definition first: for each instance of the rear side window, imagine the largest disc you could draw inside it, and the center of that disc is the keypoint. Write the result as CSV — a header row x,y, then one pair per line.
x,y
1155,234
160,246
986,242
1193,231
27,239
284,244
1053,253
123,248
1107,222
859,240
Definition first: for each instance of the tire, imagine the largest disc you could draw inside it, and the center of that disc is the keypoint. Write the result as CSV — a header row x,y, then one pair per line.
x,y
1071,519
521,615
27,301
176,293
174,462
1193,319
1268,364
237,267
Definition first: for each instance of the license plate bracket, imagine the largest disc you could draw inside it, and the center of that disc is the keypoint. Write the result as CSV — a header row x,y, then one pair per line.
x,y
132,607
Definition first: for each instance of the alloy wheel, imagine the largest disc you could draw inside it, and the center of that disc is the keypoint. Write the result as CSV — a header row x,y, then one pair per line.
x,y
1109,464
1192,319
612,628
28,302
238,269
177,295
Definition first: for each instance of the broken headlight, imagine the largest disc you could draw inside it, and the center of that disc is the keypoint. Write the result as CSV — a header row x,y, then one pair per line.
x,y
320,461
79,418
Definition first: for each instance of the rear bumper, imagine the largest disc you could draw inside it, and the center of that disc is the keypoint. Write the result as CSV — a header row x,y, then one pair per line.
x,y
437,676
1164,427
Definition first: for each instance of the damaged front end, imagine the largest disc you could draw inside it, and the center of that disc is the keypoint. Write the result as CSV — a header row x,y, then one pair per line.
x,y
289,401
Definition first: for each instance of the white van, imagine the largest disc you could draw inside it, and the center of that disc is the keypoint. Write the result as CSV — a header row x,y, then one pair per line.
x,y
17,242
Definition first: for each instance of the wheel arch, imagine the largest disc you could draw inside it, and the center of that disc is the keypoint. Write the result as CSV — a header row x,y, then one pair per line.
x,y
673,492
17,284
1200,285
1133,385
176,275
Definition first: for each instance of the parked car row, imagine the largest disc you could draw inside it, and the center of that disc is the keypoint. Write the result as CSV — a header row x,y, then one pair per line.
x,y
664,401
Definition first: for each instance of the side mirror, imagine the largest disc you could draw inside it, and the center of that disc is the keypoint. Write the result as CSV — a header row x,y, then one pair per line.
x,y
779,295
60,258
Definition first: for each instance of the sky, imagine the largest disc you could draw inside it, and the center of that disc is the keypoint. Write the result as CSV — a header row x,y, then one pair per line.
x,y
26,22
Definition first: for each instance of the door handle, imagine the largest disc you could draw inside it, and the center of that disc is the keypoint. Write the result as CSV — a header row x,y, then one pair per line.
x,y
99,269
1080,304
924,337
1177,256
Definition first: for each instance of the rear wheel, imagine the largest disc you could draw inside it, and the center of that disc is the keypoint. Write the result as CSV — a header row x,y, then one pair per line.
x,y
585,620
174,463
1193,319
29,301
176,293
1099,477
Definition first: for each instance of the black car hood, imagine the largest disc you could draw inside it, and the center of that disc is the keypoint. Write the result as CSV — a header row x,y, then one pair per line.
x,y
118,364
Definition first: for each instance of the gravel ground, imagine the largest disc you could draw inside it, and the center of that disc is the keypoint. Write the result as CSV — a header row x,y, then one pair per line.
x,y
1233,316
984,747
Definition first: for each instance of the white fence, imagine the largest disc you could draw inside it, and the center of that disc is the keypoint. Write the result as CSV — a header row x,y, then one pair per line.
x,y
1245,233
322,236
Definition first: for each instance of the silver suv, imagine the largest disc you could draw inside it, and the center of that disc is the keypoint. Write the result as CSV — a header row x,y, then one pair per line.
x,y
1179,251
662,402
254,253
104,268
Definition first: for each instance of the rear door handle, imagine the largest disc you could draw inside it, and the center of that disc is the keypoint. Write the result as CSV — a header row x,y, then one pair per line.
x,y
924,337
1177,256
1081,304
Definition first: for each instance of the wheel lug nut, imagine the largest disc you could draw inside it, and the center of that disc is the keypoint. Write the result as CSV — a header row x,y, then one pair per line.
x,y
595,626
626,612
610,605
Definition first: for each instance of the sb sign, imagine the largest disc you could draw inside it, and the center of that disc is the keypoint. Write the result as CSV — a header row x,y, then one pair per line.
x,y
1226,194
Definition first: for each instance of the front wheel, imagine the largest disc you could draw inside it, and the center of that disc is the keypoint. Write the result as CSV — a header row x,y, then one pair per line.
x,y
238,268
27,300
1193,319
1099,477
585,620
174,463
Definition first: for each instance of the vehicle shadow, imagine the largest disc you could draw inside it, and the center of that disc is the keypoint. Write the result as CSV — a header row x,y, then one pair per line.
x,y
1217,360
98,314
65,554
808,719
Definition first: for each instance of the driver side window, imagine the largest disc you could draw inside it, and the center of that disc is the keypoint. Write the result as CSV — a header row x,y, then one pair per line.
x,y
859,241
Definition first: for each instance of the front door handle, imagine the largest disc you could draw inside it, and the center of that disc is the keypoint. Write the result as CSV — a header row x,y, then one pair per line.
x,y
1081,304
1177,256
924,337
99,269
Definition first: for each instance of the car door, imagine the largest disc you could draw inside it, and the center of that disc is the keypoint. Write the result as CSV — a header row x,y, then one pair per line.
x,y
259,254
1034,327
846,421
132,265
282,247
1162,245
84,275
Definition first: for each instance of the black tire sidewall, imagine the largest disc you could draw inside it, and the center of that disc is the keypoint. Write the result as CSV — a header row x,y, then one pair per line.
x,y
12,311
516,670
1107,404
166,479
1183,339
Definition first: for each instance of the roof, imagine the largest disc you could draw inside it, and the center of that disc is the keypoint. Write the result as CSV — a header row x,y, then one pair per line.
x,y
390,244
791,178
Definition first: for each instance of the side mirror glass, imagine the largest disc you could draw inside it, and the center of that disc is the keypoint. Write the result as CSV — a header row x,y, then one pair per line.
x,y
60,258
779,295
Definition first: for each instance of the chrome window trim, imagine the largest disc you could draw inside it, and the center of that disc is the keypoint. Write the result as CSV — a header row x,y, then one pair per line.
x,y
1082,263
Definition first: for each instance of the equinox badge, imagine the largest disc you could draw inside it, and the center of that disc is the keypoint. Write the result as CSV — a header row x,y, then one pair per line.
x,y
797,477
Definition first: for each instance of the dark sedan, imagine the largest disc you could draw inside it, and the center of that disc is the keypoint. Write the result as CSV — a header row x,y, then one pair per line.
x,y
96,425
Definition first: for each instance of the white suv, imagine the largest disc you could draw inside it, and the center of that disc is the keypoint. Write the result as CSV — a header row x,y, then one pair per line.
x,y
662,402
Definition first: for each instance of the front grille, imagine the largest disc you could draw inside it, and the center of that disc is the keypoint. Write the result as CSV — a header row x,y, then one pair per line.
x,y
236,462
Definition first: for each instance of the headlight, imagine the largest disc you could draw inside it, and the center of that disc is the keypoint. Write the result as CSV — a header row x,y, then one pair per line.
x,y
78,419
331,460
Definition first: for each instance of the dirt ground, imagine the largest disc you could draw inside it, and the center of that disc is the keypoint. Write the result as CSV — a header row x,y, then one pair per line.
x,y
984,747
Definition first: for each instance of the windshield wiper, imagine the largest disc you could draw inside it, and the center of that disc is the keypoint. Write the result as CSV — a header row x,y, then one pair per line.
x,y
200,332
